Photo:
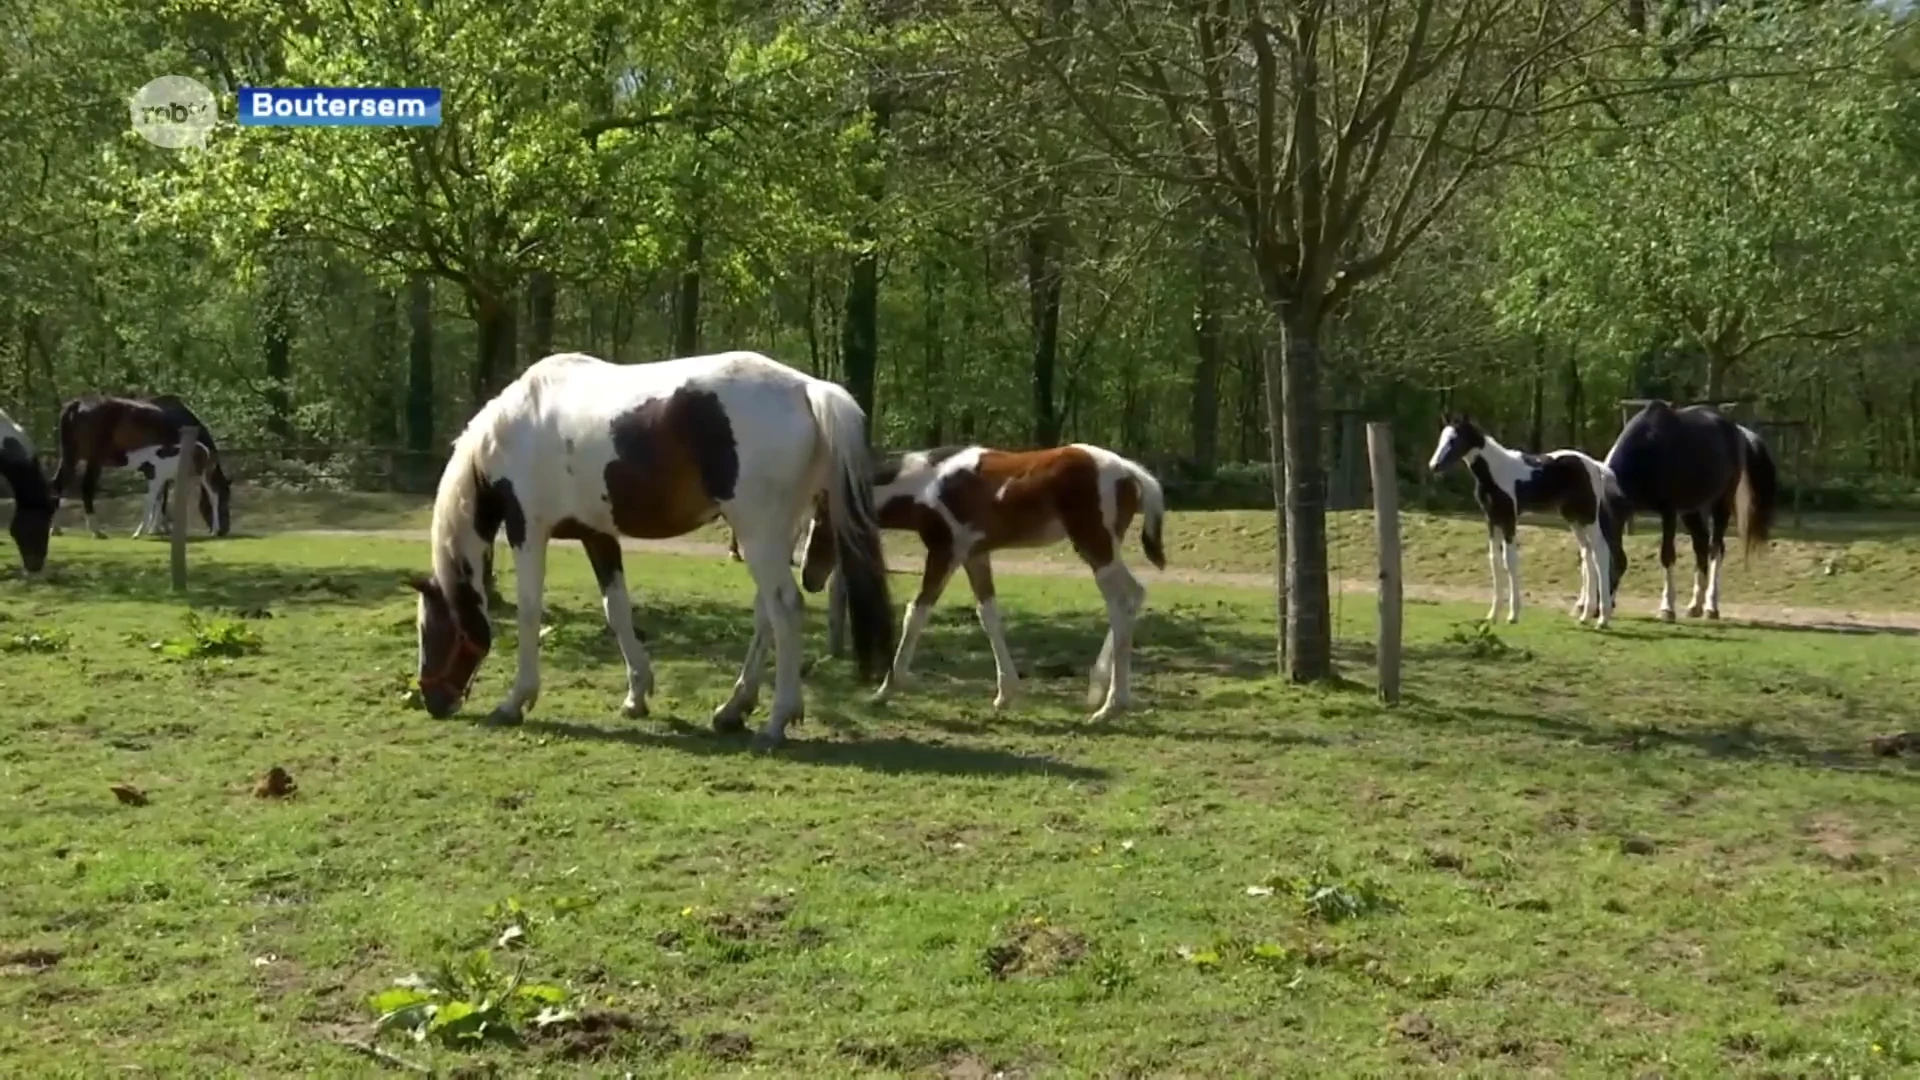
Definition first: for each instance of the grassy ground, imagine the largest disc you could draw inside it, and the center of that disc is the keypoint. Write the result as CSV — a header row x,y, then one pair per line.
x,y
1858,563
1666,850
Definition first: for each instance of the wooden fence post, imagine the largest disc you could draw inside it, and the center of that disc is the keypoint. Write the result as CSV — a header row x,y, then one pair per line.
x,y
1386,530
186,485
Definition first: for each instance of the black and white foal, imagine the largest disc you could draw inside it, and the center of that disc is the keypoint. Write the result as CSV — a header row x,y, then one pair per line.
x,y
1508,483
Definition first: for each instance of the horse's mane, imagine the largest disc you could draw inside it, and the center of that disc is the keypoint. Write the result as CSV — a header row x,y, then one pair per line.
x,y
458,493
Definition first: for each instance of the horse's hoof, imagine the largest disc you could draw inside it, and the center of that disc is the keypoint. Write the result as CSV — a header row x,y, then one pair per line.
x,y
504,717
1002,702
1693,612
633,708
1513,618
1106,713
729,722
99,534
1713,613
766,742
1666,614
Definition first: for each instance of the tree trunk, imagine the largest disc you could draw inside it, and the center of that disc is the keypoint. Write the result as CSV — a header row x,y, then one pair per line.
x,y
420,363
1537,420
1306,642
1576,405
1043,295
859,330
686,297
1204,403
540,303
276,324
498,334
933,367
383,418
1716,376
813,323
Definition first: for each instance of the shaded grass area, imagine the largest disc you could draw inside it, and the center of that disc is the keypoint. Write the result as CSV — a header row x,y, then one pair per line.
x,y
1666,848
1865,562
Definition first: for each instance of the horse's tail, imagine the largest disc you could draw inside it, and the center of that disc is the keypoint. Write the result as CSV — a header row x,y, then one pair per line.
x,y
856,528
1615,512
1757,498
1153,511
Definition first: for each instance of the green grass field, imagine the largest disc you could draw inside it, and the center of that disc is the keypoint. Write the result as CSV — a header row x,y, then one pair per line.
x,y
1665,850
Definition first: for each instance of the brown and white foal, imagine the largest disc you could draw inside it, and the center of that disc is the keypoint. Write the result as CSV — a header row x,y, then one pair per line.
x,y
966,502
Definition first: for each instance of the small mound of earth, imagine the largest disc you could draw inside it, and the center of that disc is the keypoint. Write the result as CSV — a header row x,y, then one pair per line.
x,y
1035,950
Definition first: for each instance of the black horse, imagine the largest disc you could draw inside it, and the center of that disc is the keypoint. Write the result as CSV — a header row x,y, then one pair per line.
x,y
33,502
1696,466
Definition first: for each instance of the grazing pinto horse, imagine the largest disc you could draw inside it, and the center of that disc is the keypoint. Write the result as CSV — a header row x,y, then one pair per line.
x,y
1508,483
968,502
143,433
580,449
1683,464
33,503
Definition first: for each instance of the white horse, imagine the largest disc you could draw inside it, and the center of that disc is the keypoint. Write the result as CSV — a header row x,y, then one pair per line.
x,y
1508,483
580,449
159,464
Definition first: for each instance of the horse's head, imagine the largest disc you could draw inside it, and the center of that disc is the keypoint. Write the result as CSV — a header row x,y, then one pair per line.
x,y
817,565
454,637
1458,438
30,529
218,512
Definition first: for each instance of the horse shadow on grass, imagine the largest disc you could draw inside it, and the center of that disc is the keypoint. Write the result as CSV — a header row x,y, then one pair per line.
x,y
953,676
893,755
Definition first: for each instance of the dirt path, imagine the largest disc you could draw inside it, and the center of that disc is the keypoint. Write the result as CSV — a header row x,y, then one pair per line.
x,y
1808,617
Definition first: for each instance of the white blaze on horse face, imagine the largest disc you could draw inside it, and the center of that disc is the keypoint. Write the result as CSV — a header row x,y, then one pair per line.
x,y
1447,438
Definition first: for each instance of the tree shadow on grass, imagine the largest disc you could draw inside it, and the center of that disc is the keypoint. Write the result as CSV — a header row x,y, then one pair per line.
x,y
247,584
1738,740
894,755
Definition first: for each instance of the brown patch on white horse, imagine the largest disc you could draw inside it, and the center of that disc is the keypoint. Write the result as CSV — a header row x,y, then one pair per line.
x,y
577,448
967,502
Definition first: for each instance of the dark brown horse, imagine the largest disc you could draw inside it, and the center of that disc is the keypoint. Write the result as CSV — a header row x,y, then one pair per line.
x,y
1691,466
143,433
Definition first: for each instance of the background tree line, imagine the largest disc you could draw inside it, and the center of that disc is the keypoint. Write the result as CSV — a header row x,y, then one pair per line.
x,y
1168,226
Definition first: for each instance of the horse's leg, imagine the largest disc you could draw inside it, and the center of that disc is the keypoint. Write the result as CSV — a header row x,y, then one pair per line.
x,y
1717,553
1601,559
933,582
609,569
732,715
149,508
1697,529
89,485
1493,563
768,554
1006,677
1668,521
1512,546
1581,604
530,575
1125,598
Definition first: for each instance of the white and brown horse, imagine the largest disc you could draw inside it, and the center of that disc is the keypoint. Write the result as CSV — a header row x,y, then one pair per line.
x,y
33,502
580,449
966,503
1508,483
143,434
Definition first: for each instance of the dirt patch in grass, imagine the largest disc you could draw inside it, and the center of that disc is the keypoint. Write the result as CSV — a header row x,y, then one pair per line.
x,y
1038,949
